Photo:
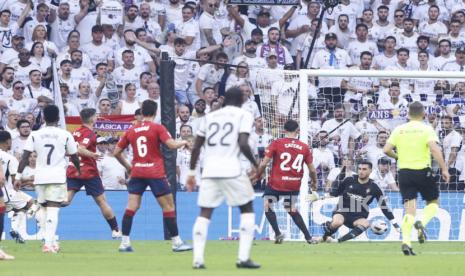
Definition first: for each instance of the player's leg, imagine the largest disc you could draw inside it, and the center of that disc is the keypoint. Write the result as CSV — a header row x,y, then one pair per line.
x,y
331,227
73,186
246,236
269,199
54,195
136,188
3,255
94,188
19,217
19,203
297,218
359,226
430,193
408,191
199,236
162,192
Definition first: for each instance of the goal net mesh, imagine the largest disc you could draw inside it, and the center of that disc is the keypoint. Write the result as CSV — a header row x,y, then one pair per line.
x,y
359,115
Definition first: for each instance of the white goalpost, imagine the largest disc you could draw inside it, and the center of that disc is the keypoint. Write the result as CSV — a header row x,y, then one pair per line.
x,y
291,94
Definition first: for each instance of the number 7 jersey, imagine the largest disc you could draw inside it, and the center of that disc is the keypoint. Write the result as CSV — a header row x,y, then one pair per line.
x,y
145,139
221,130
289,156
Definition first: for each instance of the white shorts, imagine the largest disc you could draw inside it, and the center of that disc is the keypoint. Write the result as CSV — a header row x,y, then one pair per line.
x,y
16,200
237,191
51,192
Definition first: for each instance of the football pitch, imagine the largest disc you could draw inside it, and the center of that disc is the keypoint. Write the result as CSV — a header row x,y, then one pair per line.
x,y
291,258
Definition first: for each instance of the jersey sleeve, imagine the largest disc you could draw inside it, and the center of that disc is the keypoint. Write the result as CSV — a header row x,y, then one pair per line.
x,y
202,129
393,137
431,136
246,123
339,187
163,134
379,195
13,166
86,138
71,146
123,142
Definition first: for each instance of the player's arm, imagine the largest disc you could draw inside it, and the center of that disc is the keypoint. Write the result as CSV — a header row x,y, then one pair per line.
x,y
261,168
175,144
75,160
83,151
118,153
2,177
382,203
22,164
198,144
389,150
437,155
452,156
245,148
313,176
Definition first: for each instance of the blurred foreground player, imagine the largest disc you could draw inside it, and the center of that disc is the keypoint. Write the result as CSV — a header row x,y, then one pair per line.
x,y
148,170
52,144
226,133
289,156
356,193
3,255
415,142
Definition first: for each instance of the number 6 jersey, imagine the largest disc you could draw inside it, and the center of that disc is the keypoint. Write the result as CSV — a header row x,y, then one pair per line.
x,y
145,139
289,156
221,130
51,144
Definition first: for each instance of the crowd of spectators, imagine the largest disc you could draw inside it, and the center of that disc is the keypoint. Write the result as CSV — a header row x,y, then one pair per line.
x,y
107,54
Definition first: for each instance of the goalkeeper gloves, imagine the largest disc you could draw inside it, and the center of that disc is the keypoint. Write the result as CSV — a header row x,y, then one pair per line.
x,y
313,196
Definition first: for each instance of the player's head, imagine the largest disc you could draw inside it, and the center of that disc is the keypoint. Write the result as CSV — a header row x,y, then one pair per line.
x,y
364,169
88,116
149,108
5,140
51,114
416,111
291,127
233,96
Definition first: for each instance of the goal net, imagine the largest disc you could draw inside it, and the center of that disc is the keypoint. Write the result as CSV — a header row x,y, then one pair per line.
x,y
351,122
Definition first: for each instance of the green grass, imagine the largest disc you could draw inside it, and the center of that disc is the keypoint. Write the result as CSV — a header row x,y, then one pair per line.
x,y
292,258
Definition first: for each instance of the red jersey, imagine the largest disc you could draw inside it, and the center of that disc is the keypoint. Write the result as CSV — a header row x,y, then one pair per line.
x,y
289,156
85,137
145,139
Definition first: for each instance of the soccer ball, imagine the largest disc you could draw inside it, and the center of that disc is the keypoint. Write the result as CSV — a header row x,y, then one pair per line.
x,y
379,227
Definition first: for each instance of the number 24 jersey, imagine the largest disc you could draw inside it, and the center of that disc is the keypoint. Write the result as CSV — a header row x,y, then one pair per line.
x,y
289,156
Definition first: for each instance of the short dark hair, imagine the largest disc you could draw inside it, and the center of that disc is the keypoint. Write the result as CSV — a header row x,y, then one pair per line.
x,y
233,96
86,114
137,112
22,121
51,114
405,50
366,162
416,109
361,25
97,29
365,53
65,61
179,41
4,136
127,52
149,108
291,125
100,64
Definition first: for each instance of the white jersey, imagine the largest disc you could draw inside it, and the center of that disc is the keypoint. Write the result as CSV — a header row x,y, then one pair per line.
x,y
221,130
52,144
10,167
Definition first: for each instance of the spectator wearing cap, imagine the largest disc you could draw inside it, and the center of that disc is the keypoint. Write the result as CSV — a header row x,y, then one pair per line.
x,y
188,28
62,23
343,32
10,55
142,59
283,54
301,26
210,33
264,22
331,58
10,29
257,36
39,18
113,174
272,60
102,144
97,51
382,175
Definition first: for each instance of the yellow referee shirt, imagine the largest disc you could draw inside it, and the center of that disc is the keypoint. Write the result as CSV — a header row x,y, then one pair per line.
x,y
411,140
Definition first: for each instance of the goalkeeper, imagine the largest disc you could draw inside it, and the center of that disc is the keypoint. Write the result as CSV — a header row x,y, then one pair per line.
x,y
356,194
415,142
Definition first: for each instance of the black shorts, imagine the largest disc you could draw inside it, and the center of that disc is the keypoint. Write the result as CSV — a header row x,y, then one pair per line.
x,y
273,196
158,187
93,186
412,182
350,217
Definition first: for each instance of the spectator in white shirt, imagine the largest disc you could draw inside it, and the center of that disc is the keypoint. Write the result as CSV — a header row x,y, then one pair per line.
x,y
210,74
39,59
18,102
382,175
104,107
97,51
451,141
35,89
323,158
10,126
113,174
128,72
17,144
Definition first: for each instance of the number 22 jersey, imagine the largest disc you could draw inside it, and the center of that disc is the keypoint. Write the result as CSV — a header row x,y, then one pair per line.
x,y
289,156
145,139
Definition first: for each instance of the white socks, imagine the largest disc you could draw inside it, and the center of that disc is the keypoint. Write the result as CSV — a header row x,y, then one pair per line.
x,y
199,236
125,240
21,217
51,225
41,217
176,241
247,227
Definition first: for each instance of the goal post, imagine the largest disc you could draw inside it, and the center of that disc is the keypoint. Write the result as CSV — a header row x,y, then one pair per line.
x,y
294,94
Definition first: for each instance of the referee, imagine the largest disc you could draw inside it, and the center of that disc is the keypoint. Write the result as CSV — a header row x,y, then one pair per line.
x,y
415,142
